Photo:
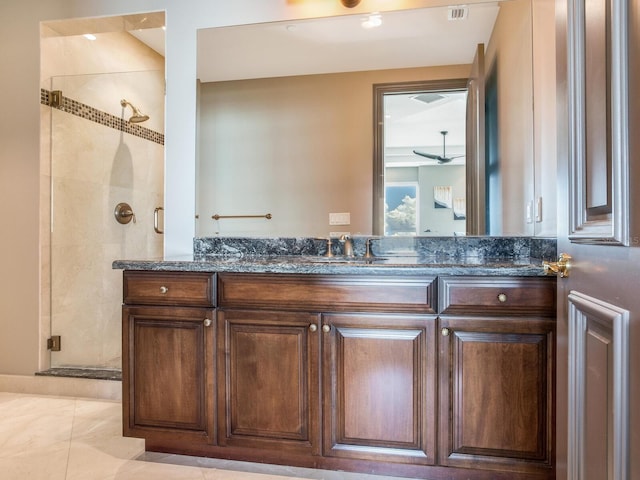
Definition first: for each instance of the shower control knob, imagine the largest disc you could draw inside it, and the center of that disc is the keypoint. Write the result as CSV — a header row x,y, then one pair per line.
x,y
164,289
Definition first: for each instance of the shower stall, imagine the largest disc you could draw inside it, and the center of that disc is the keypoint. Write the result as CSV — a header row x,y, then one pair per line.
x,y
104,153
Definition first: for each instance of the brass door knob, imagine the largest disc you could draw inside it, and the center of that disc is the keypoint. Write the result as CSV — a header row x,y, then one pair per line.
x,y
313,327
326,328
445,332
207,322
560,268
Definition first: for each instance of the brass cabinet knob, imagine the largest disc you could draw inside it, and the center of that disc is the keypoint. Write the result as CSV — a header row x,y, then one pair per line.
x,y
445,332
502,297
313,327
326,328
207,322
560,268
164,289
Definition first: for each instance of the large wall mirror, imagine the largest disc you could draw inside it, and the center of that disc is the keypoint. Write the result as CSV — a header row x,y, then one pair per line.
x,y
286,121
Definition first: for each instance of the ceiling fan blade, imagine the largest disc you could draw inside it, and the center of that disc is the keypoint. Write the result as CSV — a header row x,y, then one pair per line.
x,y
427,155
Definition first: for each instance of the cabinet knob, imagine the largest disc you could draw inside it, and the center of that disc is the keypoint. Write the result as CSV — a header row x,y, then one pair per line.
x,y
326,328
207,322
164,289
445,332
502,297
313,327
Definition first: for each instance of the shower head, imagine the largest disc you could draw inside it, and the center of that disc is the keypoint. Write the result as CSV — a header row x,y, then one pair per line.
x,y
137,116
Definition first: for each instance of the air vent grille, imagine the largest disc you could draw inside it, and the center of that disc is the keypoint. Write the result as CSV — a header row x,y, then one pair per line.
x,y
459,12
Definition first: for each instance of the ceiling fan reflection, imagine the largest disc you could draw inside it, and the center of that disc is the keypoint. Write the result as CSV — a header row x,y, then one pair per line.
x,y
440,158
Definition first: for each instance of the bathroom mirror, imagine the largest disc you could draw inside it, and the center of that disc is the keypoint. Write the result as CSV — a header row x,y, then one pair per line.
x,y
285,114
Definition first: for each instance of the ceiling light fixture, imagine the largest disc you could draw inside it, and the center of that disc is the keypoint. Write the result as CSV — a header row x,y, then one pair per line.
x,y
372,21
350,3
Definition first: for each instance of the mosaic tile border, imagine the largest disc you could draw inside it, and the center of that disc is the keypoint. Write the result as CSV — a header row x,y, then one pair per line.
x,y
87,112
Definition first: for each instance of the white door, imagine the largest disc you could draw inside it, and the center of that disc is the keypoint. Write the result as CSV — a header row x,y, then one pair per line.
x,y
598,349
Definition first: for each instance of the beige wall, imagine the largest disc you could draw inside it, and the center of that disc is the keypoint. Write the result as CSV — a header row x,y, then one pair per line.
x,y
545,125
20,134
258,155
512,61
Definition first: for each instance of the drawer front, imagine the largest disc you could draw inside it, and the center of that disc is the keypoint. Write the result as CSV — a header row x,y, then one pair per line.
x,y
327,293
169,288
497,295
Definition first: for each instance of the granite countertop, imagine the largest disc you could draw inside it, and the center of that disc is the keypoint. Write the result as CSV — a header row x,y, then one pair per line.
x,y
339,265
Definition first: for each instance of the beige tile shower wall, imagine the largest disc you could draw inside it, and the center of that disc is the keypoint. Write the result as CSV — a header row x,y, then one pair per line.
x,y
88,168
95,168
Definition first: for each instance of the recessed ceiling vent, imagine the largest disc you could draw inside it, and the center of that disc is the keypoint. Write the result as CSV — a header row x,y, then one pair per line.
x,y
428,97
458,12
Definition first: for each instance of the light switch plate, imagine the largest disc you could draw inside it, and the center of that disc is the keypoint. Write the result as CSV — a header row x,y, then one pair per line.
x,y
340,218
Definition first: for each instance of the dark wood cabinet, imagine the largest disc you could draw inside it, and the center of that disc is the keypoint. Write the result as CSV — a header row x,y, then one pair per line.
x,y
497,375
268,384
345,372
168,367
379,387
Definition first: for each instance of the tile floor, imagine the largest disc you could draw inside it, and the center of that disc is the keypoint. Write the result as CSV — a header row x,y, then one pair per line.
x,y
65,438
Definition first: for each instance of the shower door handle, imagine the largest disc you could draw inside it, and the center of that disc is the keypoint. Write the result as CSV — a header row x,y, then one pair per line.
x,y
155,220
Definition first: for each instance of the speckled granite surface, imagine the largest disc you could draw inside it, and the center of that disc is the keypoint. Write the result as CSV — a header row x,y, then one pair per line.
x,y
79,372
510,256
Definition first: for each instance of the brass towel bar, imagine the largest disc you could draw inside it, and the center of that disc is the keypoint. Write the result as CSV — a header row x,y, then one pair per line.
x,y
218,217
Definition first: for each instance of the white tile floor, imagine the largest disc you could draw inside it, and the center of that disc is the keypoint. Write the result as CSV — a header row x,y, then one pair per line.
x,y
65,438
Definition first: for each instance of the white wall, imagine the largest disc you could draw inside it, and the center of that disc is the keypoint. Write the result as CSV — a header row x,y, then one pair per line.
x,y
20,133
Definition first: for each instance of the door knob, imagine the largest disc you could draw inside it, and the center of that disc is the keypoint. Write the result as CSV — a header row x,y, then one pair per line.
x,y
560,268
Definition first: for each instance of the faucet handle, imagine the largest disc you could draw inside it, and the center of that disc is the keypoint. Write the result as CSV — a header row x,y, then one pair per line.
x,y
368,253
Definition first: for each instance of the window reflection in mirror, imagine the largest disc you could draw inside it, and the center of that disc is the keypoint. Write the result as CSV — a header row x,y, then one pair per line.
x,y
424,162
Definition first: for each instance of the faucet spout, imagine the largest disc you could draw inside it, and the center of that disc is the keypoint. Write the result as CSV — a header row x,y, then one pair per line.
x,y
347,249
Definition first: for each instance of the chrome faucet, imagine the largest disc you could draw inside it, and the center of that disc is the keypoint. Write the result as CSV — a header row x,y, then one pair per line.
x,y
347,249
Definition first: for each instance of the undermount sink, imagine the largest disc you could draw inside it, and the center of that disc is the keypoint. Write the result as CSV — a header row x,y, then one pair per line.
x,y
340,259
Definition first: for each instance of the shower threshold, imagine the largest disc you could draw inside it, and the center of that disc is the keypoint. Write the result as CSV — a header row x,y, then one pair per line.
x,y
80,372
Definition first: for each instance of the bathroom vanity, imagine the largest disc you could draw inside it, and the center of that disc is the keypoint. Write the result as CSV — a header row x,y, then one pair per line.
x,y
380,367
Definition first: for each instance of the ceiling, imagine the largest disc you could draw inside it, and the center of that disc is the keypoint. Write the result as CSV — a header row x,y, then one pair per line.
x,y
406,38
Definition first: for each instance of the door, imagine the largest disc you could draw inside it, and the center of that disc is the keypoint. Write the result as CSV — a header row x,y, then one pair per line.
x,y
379,387
269,385
476,207
168,371
496,383
598,377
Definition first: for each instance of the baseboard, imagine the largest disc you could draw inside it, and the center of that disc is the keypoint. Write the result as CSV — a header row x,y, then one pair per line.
x,y
62,386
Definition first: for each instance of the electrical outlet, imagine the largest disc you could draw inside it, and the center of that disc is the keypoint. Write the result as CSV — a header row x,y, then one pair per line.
x,y
340,218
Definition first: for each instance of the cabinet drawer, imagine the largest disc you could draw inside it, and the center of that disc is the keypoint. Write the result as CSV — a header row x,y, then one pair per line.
x,y
328,293
497,295
169,288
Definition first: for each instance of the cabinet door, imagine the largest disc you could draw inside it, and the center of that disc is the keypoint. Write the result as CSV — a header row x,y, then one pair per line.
x,y
496,405
379,387
269,380
168,372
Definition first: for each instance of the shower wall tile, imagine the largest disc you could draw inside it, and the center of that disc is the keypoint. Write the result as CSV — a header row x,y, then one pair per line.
x,y
95,159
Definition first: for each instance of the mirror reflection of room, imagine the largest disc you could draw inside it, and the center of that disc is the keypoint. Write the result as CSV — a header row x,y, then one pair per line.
x,y
292,134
